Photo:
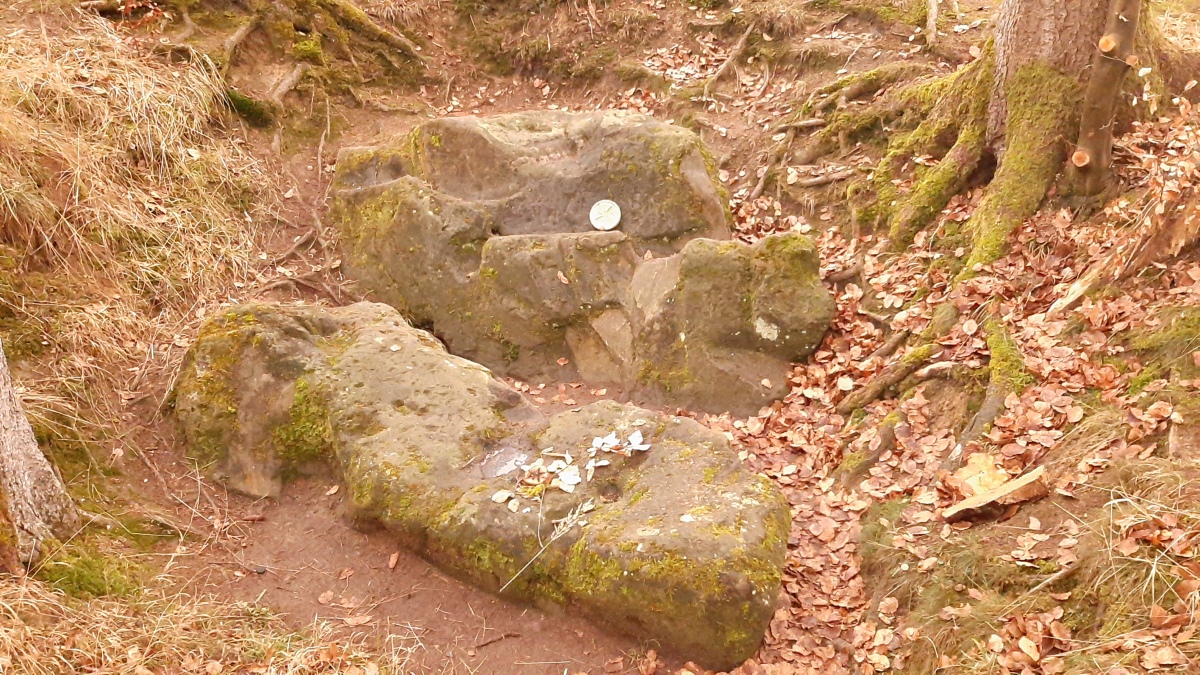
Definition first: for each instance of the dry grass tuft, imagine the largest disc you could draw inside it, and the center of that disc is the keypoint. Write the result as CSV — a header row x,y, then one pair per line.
x,y
400,13
123,214
44,632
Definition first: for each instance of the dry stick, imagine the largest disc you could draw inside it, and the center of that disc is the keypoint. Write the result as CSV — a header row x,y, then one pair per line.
x,y
733,56
502,635
158,477
1092,158
931,19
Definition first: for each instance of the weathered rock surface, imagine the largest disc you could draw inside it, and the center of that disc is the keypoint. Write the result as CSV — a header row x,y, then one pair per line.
x,y
675,542
478,228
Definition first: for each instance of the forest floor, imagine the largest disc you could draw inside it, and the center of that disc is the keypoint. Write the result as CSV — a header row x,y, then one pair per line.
x,y
1096,577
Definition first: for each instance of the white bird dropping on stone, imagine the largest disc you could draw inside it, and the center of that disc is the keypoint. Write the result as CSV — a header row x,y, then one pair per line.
x,y
605,215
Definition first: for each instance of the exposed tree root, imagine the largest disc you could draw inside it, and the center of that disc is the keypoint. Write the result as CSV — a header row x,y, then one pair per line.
x,y
844,125
850,476
888,348
828,178
1006,375
734,54
307,28
1041,112
953,132
287,83
889,377
776,156
189,27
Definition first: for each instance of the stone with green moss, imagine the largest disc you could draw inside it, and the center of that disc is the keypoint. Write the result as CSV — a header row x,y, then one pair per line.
x,y
681,544
722,321
479,228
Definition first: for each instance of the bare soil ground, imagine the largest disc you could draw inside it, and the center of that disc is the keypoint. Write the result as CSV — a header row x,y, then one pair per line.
x,y
301,558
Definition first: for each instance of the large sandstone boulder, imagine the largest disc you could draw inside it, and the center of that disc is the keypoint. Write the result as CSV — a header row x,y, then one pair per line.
x,y
478,229
646,523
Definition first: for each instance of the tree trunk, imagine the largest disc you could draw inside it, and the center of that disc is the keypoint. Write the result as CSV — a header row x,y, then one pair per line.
x,y
34,504
1056,34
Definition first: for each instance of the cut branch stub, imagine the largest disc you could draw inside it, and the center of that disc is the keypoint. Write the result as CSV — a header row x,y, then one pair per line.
x,y
1092,157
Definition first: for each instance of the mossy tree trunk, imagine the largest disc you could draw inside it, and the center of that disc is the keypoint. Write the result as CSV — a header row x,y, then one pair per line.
x,y
34,504
1041,55
1018,108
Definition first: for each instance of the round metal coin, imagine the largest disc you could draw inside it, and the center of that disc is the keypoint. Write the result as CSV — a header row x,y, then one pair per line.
x,y
605,215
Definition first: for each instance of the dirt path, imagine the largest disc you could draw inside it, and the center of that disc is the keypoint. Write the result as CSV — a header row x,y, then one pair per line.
x,y
305,561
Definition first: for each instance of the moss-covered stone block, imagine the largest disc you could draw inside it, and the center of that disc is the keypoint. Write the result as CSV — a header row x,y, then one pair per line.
x,y
677,544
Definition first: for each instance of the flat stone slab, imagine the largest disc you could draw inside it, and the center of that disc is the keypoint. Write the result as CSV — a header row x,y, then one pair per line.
x,y
646,523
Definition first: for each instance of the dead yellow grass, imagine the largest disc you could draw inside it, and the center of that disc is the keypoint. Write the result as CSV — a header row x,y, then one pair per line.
x,y
45,632
124,215
400,13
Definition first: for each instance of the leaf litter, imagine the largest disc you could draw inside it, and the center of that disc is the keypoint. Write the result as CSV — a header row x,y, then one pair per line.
x,y
823,625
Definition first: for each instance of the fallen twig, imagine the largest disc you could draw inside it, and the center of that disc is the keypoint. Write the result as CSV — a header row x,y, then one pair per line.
x,y
501,636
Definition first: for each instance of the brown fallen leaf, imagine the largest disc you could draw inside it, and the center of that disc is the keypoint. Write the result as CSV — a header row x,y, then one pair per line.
x,y
325,597
333,490
395,558
1030,648
357,620
1158,616
1165,655
1186,588
1127,546
995,644
346,573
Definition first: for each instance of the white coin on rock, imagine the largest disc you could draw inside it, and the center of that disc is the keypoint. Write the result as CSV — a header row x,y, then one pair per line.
x,y
605,215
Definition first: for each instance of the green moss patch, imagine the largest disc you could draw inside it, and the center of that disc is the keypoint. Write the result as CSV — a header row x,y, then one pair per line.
x,y
88,568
